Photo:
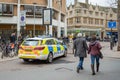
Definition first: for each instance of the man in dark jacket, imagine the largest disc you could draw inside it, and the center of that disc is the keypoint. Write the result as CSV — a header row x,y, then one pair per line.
x,y
79,49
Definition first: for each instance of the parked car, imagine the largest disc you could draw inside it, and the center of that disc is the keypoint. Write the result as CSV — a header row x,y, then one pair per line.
x,y
41,48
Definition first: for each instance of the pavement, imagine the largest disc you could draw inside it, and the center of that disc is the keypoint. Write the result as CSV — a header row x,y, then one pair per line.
x,y
105,50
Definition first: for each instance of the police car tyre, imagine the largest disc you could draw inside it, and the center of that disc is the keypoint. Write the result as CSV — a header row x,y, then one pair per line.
x,y
65,53
50,58
26,60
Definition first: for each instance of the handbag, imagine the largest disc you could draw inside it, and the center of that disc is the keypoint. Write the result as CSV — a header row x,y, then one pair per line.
x,y
100,55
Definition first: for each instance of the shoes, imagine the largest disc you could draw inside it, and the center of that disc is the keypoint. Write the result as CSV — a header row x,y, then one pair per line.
x,y
93,74
82,68
78,70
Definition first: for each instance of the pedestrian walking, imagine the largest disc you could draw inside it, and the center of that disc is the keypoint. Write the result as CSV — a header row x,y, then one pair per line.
x,y
93,50
79,50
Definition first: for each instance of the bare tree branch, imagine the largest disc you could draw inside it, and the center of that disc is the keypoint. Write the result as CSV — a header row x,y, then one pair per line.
x,y
112,3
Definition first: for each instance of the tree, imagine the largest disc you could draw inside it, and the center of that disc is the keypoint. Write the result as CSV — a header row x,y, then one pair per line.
x,y
118,19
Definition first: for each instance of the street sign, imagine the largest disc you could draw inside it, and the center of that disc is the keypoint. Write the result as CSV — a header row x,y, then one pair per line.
x,y
47,16
23,18
112,24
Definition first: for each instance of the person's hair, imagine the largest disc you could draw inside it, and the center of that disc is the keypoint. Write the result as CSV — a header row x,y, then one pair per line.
x,y
93,38
79,35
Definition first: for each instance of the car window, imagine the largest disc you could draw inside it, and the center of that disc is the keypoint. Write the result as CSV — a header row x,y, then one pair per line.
x,y
31,43
50,42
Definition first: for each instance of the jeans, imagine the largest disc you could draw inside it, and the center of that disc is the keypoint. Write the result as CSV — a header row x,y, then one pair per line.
x,y
80,65
93,58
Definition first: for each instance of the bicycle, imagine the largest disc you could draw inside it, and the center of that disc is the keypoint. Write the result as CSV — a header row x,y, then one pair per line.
x,y
8,51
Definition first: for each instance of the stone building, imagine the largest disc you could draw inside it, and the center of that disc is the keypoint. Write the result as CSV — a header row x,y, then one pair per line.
x,y
90,19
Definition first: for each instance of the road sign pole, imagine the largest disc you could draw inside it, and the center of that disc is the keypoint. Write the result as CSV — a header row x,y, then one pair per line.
x,y
111,41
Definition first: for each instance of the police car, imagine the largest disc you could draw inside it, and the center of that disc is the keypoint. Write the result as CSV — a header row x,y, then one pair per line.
x,y
42,49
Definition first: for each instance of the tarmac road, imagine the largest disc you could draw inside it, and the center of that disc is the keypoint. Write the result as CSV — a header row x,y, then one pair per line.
x,y
62,68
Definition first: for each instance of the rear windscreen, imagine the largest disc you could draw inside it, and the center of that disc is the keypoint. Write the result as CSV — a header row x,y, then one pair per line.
x,y
30,43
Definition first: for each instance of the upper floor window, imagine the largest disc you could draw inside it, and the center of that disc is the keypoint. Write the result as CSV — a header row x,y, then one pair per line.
x,y
97,21
101,21
111,15
91,12
6,9
31,9
62,17
78,11
85,11
96,13
0,9
54,14
78,19
101,14
85,20
70,12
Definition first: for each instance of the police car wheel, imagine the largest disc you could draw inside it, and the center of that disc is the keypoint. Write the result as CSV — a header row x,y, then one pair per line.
x,y
65,53
50,58
26,60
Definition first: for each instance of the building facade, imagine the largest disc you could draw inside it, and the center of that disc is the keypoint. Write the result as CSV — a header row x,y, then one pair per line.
x,y
34,15
90,19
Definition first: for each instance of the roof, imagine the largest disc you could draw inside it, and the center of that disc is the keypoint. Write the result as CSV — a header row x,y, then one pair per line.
x,y
40,38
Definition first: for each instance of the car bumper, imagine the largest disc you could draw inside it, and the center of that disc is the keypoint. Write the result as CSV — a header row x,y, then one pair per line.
x,y
41,57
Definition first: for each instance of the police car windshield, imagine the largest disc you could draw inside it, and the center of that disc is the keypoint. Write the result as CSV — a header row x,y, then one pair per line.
x,y
31,43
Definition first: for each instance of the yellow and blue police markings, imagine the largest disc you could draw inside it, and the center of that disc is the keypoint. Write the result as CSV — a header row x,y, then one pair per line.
x,y
56,50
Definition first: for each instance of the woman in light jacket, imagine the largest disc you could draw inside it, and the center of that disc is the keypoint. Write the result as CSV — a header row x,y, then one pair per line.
x,y
93,50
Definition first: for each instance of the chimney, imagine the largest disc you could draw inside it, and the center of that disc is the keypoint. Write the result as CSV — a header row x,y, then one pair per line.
x,y
75,1
86,1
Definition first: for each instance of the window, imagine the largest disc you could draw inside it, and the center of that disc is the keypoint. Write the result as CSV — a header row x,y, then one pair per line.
x,y
111,15
38,11
62,18
70,12
70,20
54,14
90,21
30,10
101,22
101,14
7,9
31,43
78,20
85,20
78,11
50,42
96,13
0,9
85,11
96,21
91,12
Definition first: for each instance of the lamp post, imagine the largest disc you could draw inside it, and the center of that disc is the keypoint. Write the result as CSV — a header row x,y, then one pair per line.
x,y
18,19
34,4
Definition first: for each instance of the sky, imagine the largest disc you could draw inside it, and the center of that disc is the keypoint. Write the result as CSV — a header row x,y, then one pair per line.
x,y
94,2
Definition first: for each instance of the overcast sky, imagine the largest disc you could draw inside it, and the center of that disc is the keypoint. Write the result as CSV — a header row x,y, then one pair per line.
x,y
98,2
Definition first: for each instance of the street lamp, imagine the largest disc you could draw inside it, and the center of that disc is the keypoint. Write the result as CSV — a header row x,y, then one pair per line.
x,y
34,4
